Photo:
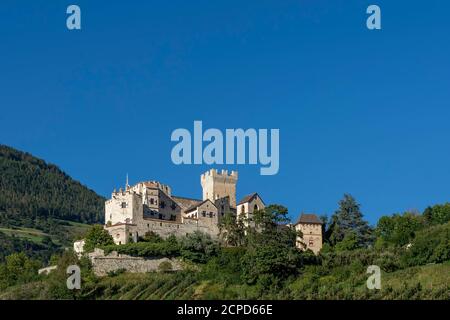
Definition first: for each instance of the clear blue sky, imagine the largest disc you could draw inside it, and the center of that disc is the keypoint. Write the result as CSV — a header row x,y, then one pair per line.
x,y
361,112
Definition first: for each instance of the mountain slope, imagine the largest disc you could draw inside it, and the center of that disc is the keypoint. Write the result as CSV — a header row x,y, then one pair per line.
x,y
42,209
30,189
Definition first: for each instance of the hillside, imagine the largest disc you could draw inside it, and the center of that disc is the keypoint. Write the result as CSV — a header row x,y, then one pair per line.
x,y
421,282
41,207
31,188
411,249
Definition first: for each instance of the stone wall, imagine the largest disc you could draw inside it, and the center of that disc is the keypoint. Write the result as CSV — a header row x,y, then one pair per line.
x,y
312,237
102,264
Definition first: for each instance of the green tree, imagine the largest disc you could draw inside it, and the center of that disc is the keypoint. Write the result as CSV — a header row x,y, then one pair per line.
x,y
438,214
271,253
350,242
97,237
349,219
431,245
198,247
232,230
399,230
151,236
18,269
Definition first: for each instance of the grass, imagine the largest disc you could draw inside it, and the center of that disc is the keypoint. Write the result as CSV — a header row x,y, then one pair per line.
x,y
72,229
431,276
34,235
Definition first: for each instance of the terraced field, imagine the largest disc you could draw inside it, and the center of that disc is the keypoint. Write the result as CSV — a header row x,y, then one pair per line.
x,y
26,233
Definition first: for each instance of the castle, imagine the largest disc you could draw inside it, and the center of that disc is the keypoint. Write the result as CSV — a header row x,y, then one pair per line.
x,y
151,207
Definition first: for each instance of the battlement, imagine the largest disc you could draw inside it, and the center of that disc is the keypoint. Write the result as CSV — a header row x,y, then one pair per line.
x,y
223,173
217,185
139,187
121,192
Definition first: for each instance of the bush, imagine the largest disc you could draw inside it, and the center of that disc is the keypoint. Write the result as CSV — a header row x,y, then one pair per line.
x,y
146,249
398,230
438,214
151,236
17,269
165,266
431,245
97,237
198,247
117,272
227,266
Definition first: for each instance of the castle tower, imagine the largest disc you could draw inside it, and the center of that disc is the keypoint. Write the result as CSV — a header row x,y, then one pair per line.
x,y
219,185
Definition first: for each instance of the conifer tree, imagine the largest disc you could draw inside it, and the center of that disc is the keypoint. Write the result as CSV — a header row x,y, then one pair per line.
x,y
348,219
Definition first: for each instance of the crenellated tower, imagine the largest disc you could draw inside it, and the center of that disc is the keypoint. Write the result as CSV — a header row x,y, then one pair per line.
x,y
219,185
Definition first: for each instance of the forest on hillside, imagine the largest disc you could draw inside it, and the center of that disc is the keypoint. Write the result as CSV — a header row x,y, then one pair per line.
x,y
30,188
40,205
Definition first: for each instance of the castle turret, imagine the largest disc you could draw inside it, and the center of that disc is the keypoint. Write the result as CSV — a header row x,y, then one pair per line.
x,y
219,185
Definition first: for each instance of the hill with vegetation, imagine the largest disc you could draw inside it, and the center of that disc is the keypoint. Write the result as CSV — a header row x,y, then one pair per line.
x,y
412,251
41,207
42,210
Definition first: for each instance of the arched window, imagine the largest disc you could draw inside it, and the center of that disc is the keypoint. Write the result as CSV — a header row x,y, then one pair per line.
x,y
255,208
242,209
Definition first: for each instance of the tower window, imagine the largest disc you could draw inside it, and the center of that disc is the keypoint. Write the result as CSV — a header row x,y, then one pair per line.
x,y
123,205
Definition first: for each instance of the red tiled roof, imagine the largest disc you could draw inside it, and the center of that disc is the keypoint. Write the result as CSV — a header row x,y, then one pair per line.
x,y
309,218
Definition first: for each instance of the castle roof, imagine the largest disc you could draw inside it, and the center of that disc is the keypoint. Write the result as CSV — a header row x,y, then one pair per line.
x,y
194,207
249,198
308,218
186,203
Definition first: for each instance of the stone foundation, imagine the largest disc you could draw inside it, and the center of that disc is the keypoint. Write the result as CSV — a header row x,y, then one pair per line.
x,y
103,264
